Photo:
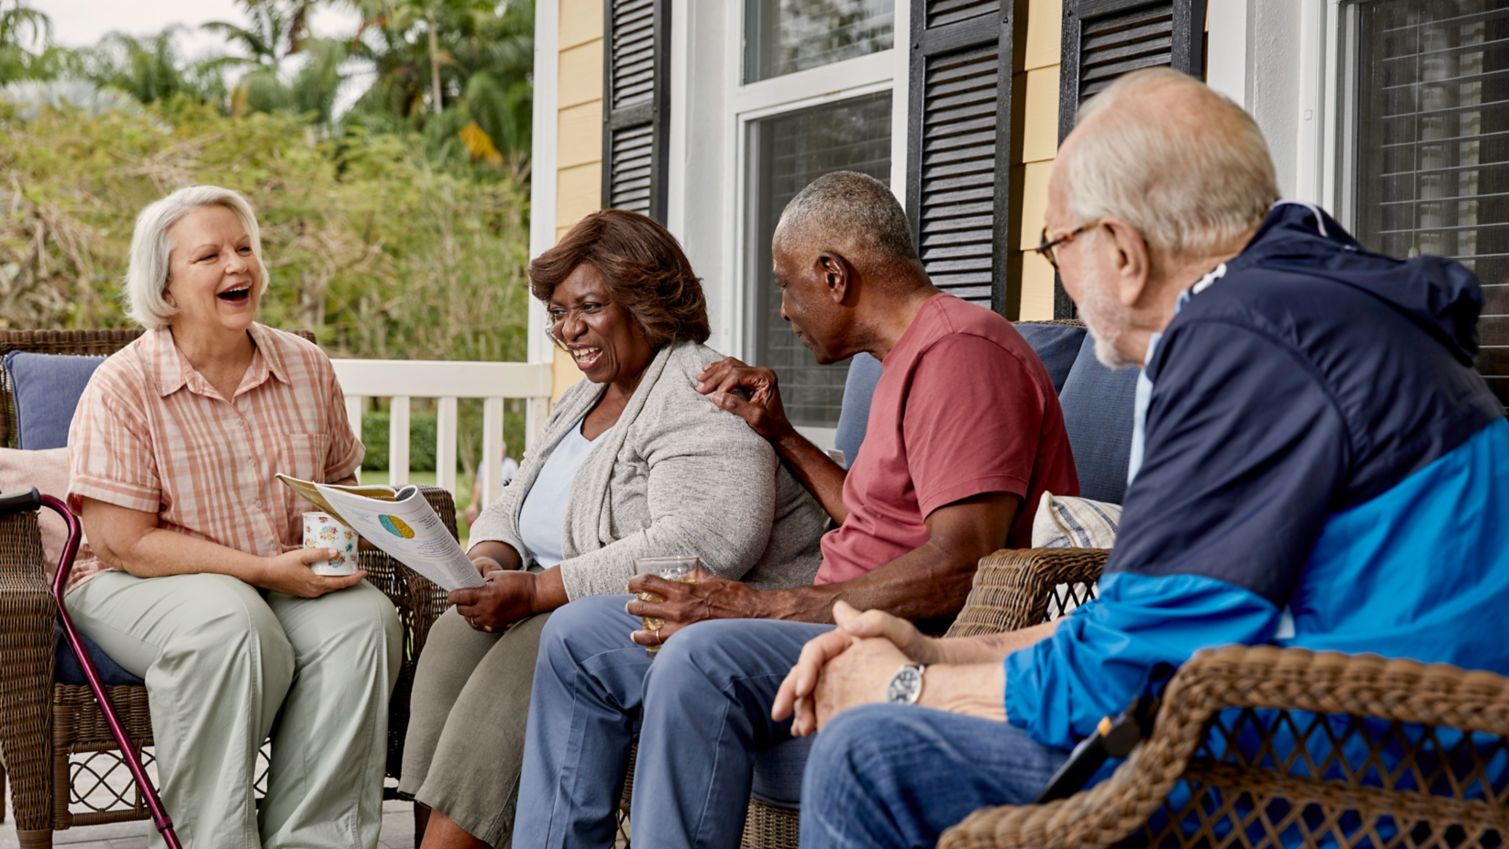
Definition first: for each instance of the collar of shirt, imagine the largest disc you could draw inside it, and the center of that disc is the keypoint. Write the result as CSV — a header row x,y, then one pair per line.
x,y
172,371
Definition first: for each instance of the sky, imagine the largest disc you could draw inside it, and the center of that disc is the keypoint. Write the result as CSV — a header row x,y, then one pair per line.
x,y
80,23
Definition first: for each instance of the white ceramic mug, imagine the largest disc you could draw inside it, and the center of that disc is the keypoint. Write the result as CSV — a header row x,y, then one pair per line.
x,y
322,530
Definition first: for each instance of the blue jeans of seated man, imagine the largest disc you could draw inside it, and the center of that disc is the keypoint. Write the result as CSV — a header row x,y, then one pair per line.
x,y
701,710
898,775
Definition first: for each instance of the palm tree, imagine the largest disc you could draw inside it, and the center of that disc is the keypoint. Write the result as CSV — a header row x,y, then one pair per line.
x,y
22,31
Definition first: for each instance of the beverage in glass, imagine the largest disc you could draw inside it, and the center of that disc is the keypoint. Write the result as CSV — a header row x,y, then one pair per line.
x,y
686,569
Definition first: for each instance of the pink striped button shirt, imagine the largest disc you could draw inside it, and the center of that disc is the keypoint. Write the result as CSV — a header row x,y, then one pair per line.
x,y
151,434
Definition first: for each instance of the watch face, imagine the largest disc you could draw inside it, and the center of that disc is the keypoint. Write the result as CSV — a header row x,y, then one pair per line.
x,y
905,686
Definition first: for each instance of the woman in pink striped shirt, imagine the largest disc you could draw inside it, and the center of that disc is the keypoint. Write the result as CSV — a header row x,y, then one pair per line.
x,y
200,585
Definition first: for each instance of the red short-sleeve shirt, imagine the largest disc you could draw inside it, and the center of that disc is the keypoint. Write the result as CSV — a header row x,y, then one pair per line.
x,y
963,407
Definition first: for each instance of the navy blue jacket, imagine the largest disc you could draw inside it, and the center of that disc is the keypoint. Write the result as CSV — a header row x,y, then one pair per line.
x,y
1322,468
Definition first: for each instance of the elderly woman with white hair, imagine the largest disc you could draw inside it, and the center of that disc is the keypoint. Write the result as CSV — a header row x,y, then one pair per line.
x,y
197,581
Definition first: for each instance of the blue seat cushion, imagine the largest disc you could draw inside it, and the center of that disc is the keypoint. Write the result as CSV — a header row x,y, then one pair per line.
x,y
854,411
1098,404
1057,345
46,390
66,668
778,772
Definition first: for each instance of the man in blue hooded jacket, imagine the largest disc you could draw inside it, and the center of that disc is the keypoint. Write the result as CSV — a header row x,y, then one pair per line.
x,y
1315,464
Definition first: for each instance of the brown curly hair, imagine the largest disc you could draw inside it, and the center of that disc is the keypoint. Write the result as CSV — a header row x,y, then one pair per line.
x,y
644,267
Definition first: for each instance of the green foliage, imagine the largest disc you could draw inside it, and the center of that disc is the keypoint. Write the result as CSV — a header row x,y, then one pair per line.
x,y
366,244
421,441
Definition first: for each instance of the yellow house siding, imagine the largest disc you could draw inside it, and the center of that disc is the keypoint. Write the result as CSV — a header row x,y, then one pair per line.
x,y
579,135
1036,82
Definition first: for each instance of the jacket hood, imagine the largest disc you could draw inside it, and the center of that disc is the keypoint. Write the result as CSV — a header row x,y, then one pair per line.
x,y
1439,294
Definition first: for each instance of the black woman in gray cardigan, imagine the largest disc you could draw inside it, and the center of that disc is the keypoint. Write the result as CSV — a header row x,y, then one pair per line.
x,y
634,462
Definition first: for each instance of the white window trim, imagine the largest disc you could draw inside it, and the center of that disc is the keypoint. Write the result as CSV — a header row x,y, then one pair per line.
x,y
1280,61
542,188
710,112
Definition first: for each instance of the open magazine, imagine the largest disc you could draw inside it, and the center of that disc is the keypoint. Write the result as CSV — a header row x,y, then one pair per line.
x,y
398,521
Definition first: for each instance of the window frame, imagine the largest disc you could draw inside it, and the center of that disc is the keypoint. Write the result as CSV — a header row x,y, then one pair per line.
x,y
709,168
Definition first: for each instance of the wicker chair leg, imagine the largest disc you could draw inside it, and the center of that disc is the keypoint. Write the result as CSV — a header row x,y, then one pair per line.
x,y
2,793
38,839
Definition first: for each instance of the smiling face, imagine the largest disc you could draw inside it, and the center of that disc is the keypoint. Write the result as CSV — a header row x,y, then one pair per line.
x,y
603,338
214,280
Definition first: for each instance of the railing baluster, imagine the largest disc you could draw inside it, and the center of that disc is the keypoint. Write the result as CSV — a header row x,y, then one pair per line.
x,y
445,444
354,414
492,449
398,441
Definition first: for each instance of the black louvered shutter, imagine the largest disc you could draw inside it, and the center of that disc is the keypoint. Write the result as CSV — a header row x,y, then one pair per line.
x,y
1104,39
959,157
636,104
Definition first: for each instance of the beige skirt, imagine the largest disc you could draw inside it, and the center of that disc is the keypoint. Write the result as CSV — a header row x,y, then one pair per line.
x,y
465,745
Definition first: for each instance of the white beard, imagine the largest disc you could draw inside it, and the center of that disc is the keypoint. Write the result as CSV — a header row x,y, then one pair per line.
x,y
1107,320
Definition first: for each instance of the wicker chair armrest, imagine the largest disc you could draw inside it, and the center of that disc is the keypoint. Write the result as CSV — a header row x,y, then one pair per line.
x,y
1013,587
419,601
27,614
1242,677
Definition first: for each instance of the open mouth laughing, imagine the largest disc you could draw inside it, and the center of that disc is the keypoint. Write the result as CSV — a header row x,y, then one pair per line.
x,y
238,295
587,357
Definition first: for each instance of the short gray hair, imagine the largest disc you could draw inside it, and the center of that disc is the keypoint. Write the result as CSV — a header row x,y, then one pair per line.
x,y
854,206
1190,181
147,275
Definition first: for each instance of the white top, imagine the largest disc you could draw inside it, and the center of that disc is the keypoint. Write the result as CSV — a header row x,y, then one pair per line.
x,y
543,512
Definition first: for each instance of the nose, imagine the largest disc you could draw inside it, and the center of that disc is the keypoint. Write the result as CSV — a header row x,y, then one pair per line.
x,y
784,316
237,262
571,326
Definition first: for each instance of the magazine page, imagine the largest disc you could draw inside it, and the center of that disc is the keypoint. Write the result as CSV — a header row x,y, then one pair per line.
x,y
408,529
308,490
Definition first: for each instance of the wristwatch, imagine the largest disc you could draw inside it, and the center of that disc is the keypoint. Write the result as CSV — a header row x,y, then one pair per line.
x,y
906,685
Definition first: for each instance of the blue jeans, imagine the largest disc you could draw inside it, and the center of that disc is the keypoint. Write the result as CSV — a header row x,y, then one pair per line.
x,y
701,711
899,775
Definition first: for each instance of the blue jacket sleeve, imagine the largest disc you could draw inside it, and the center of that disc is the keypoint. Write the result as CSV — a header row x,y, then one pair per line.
x,y
1245,452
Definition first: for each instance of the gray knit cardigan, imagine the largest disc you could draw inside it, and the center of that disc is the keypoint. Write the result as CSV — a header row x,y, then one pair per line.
x,y
676,475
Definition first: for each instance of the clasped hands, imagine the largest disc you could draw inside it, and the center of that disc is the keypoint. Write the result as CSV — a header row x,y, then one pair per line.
x,y
848,666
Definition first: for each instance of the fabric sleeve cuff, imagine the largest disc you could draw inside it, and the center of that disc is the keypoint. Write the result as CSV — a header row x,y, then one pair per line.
x,y
119,493
927,502
1022,684
346,466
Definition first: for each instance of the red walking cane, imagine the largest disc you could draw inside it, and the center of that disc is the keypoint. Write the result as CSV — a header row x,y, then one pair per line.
x,y
20,502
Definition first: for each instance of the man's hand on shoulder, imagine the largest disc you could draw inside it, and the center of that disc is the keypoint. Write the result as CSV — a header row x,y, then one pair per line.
x,y
753,394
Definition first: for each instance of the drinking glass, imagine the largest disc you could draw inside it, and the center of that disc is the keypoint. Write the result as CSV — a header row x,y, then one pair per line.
x,y
686,569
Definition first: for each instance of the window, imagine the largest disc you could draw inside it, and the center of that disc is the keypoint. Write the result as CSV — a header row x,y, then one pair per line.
x,y
785,153
813,95
1430,144
782,36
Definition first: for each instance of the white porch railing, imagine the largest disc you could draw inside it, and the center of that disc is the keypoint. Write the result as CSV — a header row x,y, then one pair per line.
x,y
446,381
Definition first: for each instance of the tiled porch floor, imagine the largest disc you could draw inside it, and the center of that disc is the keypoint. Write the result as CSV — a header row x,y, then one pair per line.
x,y
397,832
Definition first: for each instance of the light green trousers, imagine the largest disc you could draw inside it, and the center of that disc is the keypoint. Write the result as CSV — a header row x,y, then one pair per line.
x,y
226,666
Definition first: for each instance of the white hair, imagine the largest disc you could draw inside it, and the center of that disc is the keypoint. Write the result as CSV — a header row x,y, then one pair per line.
x,y
1191,181
147,276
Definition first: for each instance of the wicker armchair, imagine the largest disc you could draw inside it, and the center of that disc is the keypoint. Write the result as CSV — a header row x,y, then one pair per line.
x,y
56,746
1336,749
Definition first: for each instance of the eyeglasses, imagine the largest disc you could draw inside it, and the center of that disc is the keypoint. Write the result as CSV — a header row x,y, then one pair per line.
x,y
558,315
1046,245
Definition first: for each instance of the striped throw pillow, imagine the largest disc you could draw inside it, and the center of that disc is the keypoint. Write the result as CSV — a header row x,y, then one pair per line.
x,y
1068,522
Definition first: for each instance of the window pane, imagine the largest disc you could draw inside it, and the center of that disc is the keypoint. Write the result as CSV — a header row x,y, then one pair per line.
x,y
1432,145
1433,131
782,36
786,153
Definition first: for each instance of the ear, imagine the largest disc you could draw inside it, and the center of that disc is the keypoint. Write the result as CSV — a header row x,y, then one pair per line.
x,y
1132,264
837,274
